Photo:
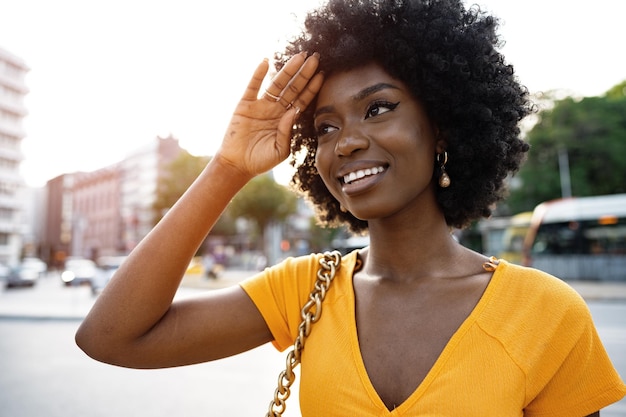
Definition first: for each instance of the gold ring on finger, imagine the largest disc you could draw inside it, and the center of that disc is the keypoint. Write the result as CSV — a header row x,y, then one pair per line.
x,y
283,100
272,96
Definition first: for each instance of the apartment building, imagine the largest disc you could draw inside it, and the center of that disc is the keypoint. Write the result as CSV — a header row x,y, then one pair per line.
x,y
106,211
140,173
13,89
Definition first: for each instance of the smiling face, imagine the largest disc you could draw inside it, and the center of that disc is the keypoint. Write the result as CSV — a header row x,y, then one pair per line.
x,y
376,146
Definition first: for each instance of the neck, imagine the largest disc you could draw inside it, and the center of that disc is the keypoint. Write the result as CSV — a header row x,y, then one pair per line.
x,y
408,252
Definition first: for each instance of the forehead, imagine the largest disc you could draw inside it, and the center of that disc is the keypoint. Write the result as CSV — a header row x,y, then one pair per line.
x,y
352,83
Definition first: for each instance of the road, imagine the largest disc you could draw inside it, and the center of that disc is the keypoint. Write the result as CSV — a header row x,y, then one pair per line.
x,y
42,372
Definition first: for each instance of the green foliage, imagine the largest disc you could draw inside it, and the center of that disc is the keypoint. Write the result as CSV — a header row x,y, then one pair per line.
x,y
592,132
321,237
177,177
617,92
263,200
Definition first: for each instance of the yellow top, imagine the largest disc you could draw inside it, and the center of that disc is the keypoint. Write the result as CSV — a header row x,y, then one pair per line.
x,y
529,348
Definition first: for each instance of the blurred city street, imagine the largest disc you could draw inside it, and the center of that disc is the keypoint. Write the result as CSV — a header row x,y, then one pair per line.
x,y
42,372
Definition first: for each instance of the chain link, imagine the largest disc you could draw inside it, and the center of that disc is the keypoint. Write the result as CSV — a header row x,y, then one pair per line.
x,y
311,313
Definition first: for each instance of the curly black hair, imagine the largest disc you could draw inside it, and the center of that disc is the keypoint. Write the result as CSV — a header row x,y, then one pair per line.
x,y
447,56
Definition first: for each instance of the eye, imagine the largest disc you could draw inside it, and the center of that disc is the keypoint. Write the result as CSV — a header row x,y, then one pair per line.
x,y
380,107
324,128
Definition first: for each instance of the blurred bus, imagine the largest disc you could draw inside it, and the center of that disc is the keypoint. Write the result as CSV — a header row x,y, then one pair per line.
x,y
514,236
347,244
503,237
579,238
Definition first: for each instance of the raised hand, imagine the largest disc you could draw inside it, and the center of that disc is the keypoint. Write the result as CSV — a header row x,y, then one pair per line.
x,y
257,138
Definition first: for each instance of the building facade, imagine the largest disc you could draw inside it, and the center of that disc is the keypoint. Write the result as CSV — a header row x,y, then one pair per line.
x,y
57,230
13,90
95,214
140,173
107,211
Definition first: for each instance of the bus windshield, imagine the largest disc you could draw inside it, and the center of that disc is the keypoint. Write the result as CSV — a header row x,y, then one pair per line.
x,y
579,238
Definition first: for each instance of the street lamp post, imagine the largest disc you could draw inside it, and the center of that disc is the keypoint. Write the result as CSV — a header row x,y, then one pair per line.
x,y
566,183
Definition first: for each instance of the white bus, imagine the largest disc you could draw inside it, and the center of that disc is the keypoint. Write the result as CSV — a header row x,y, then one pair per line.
x,y
579,238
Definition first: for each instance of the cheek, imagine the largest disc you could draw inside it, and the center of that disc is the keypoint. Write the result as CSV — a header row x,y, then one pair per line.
x,y
322,162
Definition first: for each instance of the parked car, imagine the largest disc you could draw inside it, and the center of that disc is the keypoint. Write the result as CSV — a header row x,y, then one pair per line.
x,y
79,271
4,271
36,264
23,275
107,265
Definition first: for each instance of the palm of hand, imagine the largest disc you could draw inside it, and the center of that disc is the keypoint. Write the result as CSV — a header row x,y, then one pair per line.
x,y
257,138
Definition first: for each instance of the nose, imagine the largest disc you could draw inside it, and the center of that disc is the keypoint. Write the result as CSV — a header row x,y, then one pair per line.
x,y
350,141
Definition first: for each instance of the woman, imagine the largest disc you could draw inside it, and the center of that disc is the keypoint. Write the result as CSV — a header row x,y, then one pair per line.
x,y
408,119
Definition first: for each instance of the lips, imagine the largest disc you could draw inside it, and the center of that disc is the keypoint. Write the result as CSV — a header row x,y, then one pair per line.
x,y
362,173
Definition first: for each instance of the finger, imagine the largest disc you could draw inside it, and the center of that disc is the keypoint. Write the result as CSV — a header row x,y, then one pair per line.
x,y
283,133
275,90
298,82
308,94
252,90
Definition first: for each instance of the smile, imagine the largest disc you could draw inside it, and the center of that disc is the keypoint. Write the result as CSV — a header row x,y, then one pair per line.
x,y
362,173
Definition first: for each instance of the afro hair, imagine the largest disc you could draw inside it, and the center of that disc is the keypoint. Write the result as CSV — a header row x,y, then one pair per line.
x,y
447,56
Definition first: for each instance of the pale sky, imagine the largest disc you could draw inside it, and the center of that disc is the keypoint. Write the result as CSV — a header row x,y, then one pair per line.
x,y
108,77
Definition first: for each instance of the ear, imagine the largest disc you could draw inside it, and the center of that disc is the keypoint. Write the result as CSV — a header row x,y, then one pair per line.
x,y
441,145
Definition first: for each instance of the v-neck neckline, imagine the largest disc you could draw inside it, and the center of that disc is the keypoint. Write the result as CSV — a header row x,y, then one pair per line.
x,y
445,354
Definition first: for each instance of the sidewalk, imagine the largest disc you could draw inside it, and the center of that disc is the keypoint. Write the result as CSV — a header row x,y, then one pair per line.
x,y
49,300
226,278
600,290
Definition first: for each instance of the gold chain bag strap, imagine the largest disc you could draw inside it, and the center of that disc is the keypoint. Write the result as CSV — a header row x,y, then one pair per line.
x,y
310,313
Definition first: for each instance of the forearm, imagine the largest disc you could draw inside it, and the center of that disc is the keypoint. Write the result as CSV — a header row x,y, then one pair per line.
x,y
133,322
141,291
168,248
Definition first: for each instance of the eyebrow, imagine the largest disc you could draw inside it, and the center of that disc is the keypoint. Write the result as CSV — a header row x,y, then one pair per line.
x,y
367,91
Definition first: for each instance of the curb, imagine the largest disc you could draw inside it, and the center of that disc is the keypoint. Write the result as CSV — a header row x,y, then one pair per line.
x,y
600,291
39,317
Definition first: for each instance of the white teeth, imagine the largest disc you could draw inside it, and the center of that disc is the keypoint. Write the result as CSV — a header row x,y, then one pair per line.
x,y
362,173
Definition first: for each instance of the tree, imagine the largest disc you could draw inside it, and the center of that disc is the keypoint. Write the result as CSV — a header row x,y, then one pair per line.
x,y
590,134
178,176
618,92
263,201
321,237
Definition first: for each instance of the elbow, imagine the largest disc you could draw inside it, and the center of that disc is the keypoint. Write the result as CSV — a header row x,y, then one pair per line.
x,y
102,346
86,341
94,345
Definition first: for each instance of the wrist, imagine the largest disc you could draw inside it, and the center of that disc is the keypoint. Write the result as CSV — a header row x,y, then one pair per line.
x,y
229,170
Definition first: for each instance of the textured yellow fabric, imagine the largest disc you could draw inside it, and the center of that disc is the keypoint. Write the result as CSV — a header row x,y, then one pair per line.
x,y
529,348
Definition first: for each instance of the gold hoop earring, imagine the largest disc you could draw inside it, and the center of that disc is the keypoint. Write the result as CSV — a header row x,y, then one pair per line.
x,y
444,178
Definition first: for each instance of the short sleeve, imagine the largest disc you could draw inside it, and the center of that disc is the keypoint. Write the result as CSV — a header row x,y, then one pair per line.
x,y
280,292
584,380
